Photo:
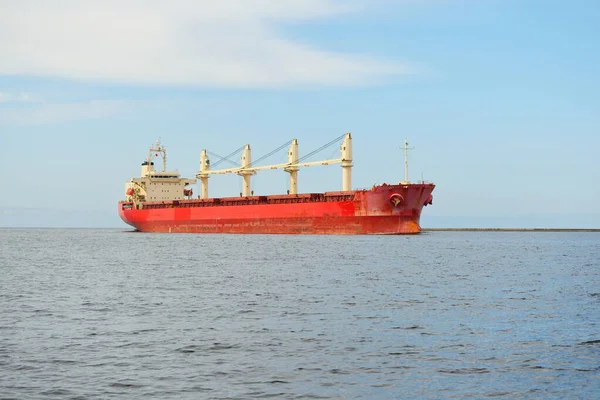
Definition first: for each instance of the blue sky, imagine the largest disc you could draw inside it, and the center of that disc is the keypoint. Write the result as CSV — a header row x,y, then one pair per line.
x,y
500,99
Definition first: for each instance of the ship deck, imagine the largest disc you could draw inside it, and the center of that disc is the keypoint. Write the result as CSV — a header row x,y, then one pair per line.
x,y
251,200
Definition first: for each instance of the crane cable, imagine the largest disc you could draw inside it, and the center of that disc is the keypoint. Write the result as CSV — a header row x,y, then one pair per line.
x,y
226,158
286,144
312,153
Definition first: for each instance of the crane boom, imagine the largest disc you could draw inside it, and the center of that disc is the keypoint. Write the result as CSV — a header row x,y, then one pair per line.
x,y
246,170
274,166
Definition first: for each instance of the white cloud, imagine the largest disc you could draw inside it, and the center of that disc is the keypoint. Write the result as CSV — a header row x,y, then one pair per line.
x,y
52,113
22,97
219,43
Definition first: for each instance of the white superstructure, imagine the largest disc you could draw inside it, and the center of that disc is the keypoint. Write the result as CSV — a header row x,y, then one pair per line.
x,y
158,185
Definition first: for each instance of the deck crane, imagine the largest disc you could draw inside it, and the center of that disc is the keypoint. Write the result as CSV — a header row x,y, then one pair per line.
x,y
246,170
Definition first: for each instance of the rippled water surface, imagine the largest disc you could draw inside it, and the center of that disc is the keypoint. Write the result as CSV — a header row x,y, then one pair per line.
x,y
101,314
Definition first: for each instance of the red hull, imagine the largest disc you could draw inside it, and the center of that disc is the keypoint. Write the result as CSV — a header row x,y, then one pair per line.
x,y
385,209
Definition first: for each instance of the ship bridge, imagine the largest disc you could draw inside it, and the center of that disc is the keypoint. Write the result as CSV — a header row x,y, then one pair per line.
x,y
158,185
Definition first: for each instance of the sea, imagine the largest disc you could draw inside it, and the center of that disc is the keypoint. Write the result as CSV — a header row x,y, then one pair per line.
x,y
118,314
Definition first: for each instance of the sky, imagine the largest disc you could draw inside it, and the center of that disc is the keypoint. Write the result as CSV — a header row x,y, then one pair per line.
x,y
499,100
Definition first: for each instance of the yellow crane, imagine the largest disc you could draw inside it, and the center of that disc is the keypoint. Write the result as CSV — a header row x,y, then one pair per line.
x,y
246,170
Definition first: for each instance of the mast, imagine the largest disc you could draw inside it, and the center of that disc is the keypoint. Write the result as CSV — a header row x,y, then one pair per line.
x,y
346,150
158,148
405,160
203,175
246,162
293,168
406,149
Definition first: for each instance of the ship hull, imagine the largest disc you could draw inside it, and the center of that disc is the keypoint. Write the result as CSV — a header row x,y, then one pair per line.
x,y
385,209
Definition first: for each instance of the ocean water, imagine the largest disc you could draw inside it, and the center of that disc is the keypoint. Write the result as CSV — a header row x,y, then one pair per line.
x,y
113,314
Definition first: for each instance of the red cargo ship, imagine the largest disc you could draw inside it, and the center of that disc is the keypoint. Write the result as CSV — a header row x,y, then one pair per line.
x,y
162,202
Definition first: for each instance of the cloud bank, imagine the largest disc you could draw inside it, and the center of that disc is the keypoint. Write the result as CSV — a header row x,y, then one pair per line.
x,y
20,97
42,113
202,43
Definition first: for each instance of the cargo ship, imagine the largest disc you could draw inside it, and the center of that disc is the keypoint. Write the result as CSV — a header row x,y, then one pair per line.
x,y
161,201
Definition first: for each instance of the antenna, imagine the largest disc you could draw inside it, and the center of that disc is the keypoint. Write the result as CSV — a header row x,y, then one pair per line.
x,y
158,148
406,149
